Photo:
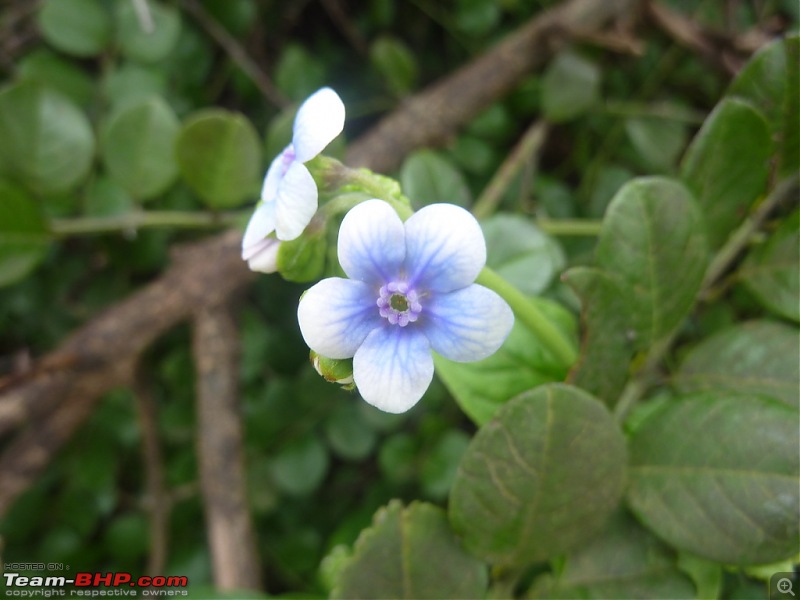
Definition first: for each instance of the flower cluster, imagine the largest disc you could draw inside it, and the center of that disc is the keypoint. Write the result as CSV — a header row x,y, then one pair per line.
x,y
410,290
289,194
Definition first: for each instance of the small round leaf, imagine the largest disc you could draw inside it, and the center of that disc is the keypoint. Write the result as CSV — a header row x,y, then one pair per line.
x,y
77,27
148,40
23,235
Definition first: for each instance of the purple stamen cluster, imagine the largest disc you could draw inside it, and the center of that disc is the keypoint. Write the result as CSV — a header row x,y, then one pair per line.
x,y
398,304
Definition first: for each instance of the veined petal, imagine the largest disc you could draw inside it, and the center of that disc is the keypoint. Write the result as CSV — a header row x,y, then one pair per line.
x,y
372,242
264,256
319,120
277,169
335,316
261,224
295,203
393,368
467,324
445,249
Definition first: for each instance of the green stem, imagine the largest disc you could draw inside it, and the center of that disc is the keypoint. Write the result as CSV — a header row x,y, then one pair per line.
x,y
577,227
527,312
143,220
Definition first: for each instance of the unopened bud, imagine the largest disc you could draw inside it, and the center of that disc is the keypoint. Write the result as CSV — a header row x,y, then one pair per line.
x,y
335,370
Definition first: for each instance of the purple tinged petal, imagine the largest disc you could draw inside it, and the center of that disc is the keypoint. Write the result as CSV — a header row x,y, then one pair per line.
x,y
445,248
335,316
371,242
393,368
263,256
261,224
296,202
319,120
468,324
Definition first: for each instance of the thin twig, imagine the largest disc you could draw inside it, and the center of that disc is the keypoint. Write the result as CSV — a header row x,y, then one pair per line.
x,y
236,53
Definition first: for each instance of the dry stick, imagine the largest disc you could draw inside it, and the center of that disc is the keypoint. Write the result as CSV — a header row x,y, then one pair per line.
x,y
105,349
432,116
236,53
220,448
721,262
157,501
527,149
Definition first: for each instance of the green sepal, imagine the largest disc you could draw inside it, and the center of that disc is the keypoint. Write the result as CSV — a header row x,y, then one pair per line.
x,y
303,259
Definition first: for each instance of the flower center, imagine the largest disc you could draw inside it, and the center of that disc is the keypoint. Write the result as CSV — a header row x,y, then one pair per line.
x,y
398,304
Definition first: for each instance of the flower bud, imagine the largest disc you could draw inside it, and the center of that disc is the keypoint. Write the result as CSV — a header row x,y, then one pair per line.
x,y
334,370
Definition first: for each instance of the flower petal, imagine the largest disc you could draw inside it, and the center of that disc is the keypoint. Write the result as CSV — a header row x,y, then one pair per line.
x,y
445,249
393,368
261,224
319,120
336,315
264,256
277,169
468,324
372,242
295,203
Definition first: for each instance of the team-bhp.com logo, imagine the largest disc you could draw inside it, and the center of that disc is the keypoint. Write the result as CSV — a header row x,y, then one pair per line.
x,y
94,584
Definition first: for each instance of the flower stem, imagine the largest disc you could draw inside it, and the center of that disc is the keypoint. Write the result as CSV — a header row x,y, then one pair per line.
x,y
142,220
527,312
566,227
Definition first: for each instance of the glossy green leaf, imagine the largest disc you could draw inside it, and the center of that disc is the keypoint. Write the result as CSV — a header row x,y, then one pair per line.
x,y
410,553
428,177
758,357
623,561
519,252
47,68
772,270
139,148
771,82
44,138
300,466
78,27
607,347
23,234
726,166
219,156
652,225
395,63
570,87
521,363
540,478
718,474
143,45
658,142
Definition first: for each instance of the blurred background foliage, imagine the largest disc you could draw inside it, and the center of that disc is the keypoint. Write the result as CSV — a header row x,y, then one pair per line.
x,y
102,123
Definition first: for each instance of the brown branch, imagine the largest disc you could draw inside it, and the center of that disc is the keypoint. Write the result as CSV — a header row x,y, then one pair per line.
x,y
434,115
220,452
102,354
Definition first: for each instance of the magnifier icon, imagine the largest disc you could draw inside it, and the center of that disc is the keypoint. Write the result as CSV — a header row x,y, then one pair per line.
x,y
784,586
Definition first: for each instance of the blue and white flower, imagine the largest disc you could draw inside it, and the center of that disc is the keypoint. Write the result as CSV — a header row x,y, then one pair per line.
x,y
410,290
289,194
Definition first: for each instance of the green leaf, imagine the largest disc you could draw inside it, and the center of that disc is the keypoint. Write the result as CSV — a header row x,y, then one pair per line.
x,y
571,86
78,27
477,17
300,466
126,538
298,73
23,234
106,198
521,363
518,251
726,166
131,84
47,68
758,357
540,479
607,347
142,45
652,225
772,270
219,156
716,474
439,468
428,177
658,142
44,138
303,258
623,561
410,553
395,63
349,434
138,148
771,81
